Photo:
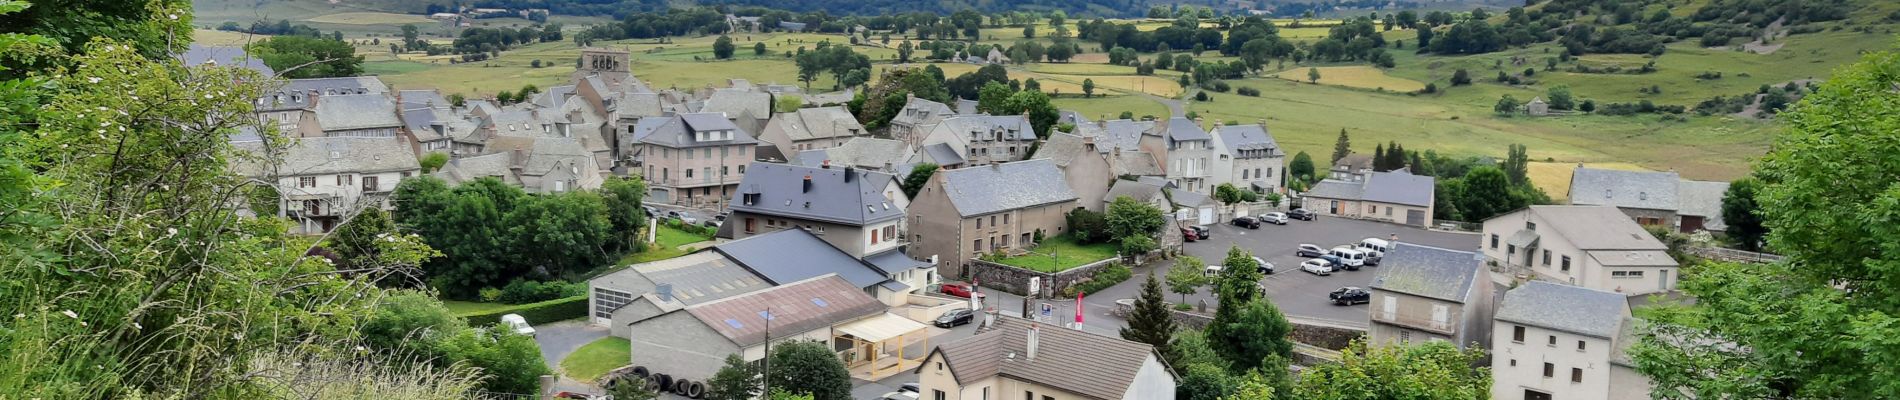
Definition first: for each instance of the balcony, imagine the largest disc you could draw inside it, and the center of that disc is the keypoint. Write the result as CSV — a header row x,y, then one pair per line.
x,y
1423,324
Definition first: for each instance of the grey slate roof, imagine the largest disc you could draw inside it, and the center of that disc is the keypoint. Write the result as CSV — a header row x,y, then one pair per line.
x,y
793,255
1629,189
413,99
1597,228
1183,129
922,111
678,131
224,56
1123,134
1006,186
356,111
1134,162
464,169
544,153
1703,199
1095,366
738,102
333,155
1140,191
1336,189
894,261
864,151
1400,187
1248,137
1064,148
297,93
817,123
942,154
795,307
779,189
1565,308
1429,272
1354,162
967,107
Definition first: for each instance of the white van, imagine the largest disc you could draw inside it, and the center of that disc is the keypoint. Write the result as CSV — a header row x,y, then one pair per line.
x,y
1352,258
1374,247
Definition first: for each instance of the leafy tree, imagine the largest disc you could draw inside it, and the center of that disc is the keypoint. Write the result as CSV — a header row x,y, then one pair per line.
x,y
1190,347
1517,165
1042,113
904,51
1187,277
1560,98
355,241
1507,105
513,361
1302,166
1151,322
1461,77
1312,75
992,98
1088,87
1253,387
1204,382
433,162
808,367
1342,147
722,47
621,196
300,57
1740,213
1820,323
1128,217
1261,331
737,380
1029,31
405,319
781,394
1486,193
1133,245
561,232
758,49
919,176
1430,370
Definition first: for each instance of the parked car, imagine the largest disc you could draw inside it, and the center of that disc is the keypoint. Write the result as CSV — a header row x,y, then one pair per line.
x,y
651,212
1350,295
572,395
1317,267
899,395
1303,215
1310,250
712,223
1266,268
1276,218
954,318
515,322
909,387
1188,234
1246,222
1375,250
959,290
1202,231
1337,263
1352,259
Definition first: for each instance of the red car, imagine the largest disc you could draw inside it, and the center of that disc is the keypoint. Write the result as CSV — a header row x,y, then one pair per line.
x,y
1189,234
959,290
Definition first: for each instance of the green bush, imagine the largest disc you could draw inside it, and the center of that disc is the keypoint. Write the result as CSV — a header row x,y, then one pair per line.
x,y
535,313
1103,279
522,291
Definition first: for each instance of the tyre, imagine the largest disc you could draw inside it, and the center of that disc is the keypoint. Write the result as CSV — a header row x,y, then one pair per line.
x,y
698,390
641,371
666,381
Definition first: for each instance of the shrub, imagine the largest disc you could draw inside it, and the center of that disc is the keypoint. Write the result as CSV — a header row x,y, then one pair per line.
x,y
1104,278
1431,88
522,291
1220,86
1200,96
535,313
1247,91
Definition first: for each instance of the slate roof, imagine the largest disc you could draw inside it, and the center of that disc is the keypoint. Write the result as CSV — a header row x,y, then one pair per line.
x,y
1597,228
544,153
1400,187
464,169
864,151
1111,363
795,307
343,154
1430,272
1183,129
737,102
921,111
967,107
1140,191
792,255
1336,189
1702,199
818,123
942,154
1012,127
700,277
1354,162
894,261
356,111
1572,309
304,89
1123,134
413,99
1006,186
678,131
1063,149
1248,137
225,56
1134,162
1629,189
779,189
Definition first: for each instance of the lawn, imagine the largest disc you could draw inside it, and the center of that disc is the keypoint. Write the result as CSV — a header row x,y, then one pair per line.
x,y
1061,253
1356,76
458,307
591,361
667,246
1111,107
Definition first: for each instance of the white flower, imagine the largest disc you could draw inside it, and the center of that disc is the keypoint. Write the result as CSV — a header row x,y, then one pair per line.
x,y
360,348
171,231
208,96
238,336
20,315
93,79
136,325
70,314
174,17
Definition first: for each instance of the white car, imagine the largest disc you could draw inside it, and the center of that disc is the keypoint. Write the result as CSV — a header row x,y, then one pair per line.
x,y
1213,270
1317,267
1276,218
899,395
515,322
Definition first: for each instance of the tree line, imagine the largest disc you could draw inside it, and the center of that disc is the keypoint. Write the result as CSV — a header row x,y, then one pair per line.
x,y
492,233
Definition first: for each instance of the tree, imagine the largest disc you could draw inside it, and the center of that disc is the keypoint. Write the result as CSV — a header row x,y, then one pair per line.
x,y
513,361
1312,75
722,47
1254,387
1029,31
1739,212
1135,245
1151,322
737,380
1262,332
1128,217
1560,98
1037,106
1302,166
808,367
919,176
1341,147
1204,382
1186,277
1227,194
758,49
1088,87
1819,323
1517,165
992,98
622,197
403,321
355,241
560,232
1487,193
1461,77
904,51
1507,105
298,57
433,162
1429,370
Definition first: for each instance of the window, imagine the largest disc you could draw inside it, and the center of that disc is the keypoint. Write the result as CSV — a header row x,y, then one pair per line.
x,y
307,181
1517,334
874,237
1028,396
1553,341
708,152
1546,258
890,232
1243,174
1005,219
1004,241
979,223
689,153
1372,209
1576,375
1513,362
1580,345
937,394
689,173
1626,274
722,151
1494,240
722,170
1566,266
742,154
1388,211
344,180
1550,370
992,220
751,225
742,169
1510,249
1530,225
976,245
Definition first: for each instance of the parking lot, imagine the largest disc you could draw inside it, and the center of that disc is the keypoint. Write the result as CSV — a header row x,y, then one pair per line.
x,y
1301,294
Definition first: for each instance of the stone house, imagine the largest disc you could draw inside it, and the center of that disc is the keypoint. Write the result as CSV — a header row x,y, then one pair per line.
x,y
1397,197
918,118
964,213
355,115
1247,157
325,180
1352,168
1087,171
863,152
1590,246
1559,341
1044,362
859,212
985,139
692,341
536,164
1187,151
288,105
1652,198
694,158
811,129
1425,293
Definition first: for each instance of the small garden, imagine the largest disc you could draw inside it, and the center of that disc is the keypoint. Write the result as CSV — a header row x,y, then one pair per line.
x,y
667,242
1057,254
591,361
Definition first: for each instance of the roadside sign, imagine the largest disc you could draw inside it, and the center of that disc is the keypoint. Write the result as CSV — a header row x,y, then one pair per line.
x,y
1048,311
1035,282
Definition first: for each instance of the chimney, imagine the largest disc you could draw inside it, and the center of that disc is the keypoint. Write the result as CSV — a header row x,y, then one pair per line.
x,y
849,173
1088,143
517,159
807,184
1034,332
826,165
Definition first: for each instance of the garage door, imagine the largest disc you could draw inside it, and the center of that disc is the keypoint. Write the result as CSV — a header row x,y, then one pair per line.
x,y
1207,216
659,196
1415,217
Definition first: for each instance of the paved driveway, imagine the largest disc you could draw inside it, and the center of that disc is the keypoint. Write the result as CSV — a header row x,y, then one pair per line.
x,y
558,339
1301,294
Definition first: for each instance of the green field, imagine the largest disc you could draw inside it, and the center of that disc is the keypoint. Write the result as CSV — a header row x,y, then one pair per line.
x,y
1112,106
1355,76
370,18
589,362
1061,253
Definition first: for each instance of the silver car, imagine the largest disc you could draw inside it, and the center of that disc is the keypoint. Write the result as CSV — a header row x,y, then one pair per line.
x,y
1276,218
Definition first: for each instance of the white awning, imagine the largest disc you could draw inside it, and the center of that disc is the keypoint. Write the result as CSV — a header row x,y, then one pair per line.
x,y
881,328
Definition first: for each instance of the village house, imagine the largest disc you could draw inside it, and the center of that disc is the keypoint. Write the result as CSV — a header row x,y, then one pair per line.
x,y
1086,170
1352,168
1247,157
918,118
322,181
536,164
963,213
1188,152
294,103
985,139
1156,192
694,158
863,152
1397,197
1558,341
1044,362
1652,198
1596,247
811,129
943,155
859,212
1425,293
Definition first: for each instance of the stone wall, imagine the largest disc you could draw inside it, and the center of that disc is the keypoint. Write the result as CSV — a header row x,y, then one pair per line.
x,y
1321,335
1015,280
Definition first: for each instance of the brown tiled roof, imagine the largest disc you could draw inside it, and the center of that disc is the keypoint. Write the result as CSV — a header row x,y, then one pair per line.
x,y
1090,365
796,307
